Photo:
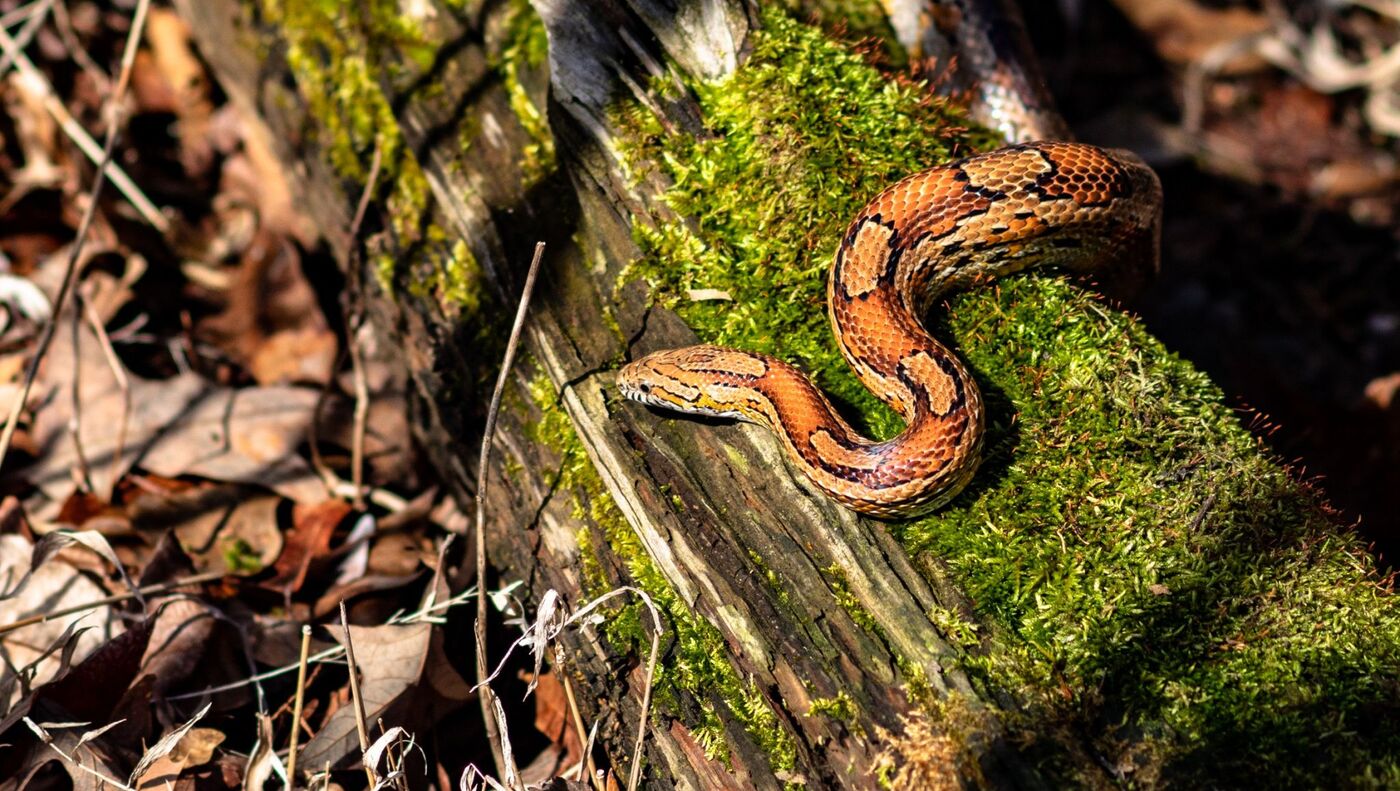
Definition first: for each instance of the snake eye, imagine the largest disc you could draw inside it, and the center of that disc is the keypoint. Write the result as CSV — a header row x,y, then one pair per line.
x,y
645,388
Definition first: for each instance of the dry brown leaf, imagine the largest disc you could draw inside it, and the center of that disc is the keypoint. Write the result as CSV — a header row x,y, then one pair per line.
x,y
347,592
552,715
81,744
391,661
272,322
37,136
195,748
1184,32
93,688
253,174
308,540
241,537
300,355
183,630
1381,391
185,425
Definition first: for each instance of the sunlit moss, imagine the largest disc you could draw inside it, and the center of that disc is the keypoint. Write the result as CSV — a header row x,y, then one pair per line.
x,y
527,46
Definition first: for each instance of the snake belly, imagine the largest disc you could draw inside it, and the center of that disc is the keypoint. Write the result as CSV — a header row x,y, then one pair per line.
x,y
1072,206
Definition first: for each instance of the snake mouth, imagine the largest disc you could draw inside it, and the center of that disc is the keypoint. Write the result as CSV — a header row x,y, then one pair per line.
x,y
633,384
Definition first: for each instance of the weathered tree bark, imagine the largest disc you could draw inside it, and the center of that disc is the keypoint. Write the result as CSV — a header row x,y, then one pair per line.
x,y
818,621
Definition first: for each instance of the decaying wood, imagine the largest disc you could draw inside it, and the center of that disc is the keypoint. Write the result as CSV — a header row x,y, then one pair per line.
x,y
704,504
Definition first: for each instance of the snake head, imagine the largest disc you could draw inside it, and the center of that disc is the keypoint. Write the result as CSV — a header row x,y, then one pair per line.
x,y
696,380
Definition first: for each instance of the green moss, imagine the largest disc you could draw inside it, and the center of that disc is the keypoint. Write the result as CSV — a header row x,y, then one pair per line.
x,y
331,48
841,708
863,20
700,666
851,603
1152,574
771,577
917,686
344,56
461,284
955,627
528,47
241,558
523,49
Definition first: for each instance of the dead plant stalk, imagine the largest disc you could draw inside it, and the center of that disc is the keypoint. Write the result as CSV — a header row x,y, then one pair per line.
x,y
360,728
504,766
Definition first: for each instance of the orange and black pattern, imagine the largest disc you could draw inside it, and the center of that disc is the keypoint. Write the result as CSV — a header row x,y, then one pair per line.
x,y
1067,205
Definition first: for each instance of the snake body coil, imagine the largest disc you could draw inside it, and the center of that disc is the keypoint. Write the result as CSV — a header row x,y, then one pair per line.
x,y
1068,205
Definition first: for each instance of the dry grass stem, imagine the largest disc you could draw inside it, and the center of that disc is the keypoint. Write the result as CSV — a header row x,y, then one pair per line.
x,y
114,363
34,16
335,486
75,415
296,707
586,764
145,590
357,364
360,729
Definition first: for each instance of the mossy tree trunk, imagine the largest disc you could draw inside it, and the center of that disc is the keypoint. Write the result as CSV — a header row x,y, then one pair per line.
x,y
803,645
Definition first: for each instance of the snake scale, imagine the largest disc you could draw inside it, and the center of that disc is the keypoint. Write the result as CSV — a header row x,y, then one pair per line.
x,y
1076,207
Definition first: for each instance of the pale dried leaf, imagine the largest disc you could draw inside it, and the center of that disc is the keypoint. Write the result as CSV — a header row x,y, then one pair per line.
x,y
263,761
50,586
180,426
182,631
165,745
21,296
390,660
353,566
195,749
241,530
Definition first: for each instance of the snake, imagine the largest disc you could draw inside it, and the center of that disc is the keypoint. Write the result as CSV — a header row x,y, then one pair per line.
x,y
1072,206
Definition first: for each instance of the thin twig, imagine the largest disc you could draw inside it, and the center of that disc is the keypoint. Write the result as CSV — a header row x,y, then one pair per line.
x,y
22,13
145,590
635,776
296,707
587,763
333,483
493,733
542,631
358,702
357,438
353,326
37,13
427,614
75,131
123,384
63,23
75,407
89,212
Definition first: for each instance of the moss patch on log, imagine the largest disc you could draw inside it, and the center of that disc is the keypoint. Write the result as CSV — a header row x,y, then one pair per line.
x,y
698,666
347,60
1155,579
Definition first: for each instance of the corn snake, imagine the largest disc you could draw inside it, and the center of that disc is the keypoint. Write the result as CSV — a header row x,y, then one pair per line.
x,y
1072,206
